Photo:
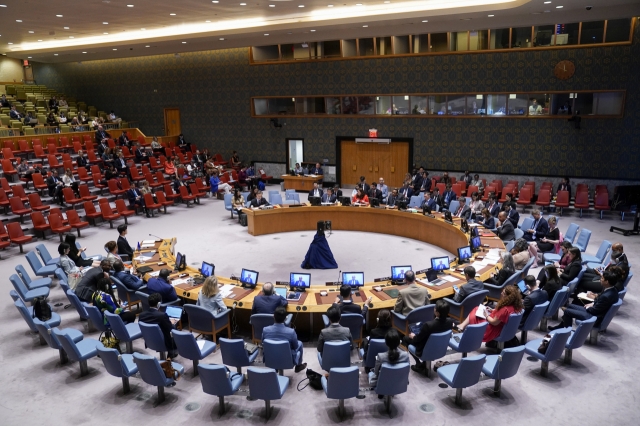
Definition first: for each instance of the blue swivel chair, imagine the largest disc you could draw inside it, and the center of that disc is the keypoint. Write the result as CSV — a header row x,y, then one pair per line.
x,y
343,383
532,321
355,323
266,384
144,300
574,282
375,347
578,337
33,284
558,300
118,365
26,294
126,333
79,306
203,321
460,310
44,254
38,268
83,255
392,380
518,232
235,355
260,321
62,277
46,333
228,205
127,295
335,354
606,320
215,382
54,321
293,196
463,375
96,318
79,351
604,248
153,338
415,201
419,315
435,348
470,339
509,330
583,240
503,366
275,198
190,348
277,355
570,236
554,350
527,266
495,291
152,374
526,223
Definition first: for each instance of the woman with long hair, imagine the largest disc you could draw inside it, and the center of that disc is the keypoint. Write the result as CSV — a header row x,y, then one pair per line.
x,y
360,198
508,269
210,297
574,267
382,327
104,299
549,280
392,356
237,200
75,254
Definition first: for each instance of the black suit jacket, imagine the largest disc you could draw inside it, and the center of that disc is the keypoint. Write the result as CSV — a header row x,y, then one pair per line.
x,y
470,287
401,192
570,272
602,304
506,232
377,194
562,187
493,210
313,190
262,202
427,329
154,316
326,199
124,247
536,297
391,200
123,140
514,217
101,135
541,231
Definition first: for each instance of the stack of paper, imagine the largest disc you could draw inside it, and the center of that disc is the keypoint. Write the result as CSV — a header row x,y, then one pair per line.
x,y
142,259
450,278
226,290
149,242
585,296
179,281
481,312
155,274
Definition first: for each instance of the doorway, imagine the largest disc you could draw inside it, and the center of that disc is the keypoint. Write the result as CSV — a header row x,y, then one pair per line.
x,y
172,125
295,152
373,161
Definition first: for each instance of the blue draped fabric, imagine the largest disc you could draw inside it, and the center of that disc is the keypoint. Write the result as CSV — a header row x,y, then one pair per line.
x,y
319,255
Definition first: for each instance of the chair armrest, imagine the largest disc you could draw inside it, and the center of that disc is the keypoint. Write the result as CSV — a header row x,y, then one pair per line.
x,y
164,305
287,320
142,287
221,314
452,302
399,316
325,320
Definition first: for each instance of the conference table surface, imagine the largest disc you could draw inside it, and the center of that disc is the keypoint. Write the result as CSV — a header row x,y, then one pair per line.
x,y
301,183
365,219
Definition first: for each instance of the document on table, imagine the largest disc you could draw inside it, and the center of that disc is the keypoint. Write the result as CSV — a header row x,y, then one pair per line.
x,y
226,290
450,278
143,259
155,274
147,242
179,281
147,246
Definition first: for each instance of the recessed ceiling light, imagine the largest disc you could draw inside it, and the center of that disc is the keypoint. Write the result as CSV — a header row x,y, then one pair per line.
x,y
105,33
115,49
329,5
70,36
84,52
55,54
547,2
184,42
3,5
272,5
387,2
221,38
29,57
215,1
266,34
18,20
358,4
313,31
31,32
147,46
172,14
143,29
364,26
243,4
39,40
105,23
59,16
559,7
9,43
207,21
302,5
425,20
66,28
130,5
491,16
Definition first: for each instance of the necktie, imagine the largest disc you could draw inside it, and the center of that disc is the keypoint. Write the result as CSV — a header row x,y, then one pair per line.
x,y
535,225
458,212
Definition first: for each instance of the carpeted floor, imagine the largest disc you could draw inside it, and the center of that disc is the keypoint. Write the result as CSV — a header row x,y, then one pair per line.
x,y
598,388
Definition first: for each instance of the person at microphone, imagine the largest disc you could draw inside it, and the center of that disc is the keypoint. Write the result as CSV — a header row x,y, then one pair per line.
x,y
316,191
329,196
268,301
258,202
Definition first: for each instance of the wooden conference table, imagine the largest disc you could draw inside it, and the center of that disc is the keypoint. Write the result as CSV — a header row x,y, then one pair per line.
x,y
365,219
301,183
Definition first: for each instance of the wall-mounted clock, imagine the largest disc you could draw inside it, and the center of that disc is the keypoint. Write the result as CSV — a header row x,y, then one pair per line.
x,y
564,70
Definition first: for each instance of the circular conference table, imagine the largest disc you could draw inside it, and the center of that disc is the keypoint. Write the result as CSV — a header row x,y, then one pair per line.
x,y
365,219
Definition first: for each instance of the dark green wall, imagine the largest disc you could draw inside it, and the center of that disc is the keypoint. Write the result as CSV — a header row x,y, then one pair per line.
x,y
213,90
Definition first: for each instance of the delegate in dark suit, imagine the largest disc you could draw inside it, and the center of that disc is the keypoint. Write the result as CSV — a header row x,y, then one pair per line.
x,y
154,316
90,281
267,304
600,307
411,298
448,197
282,332
135,198
329,199
348,307
258,203
406,192
130,281
375,193
541,228
426,330
430,203
391,200
470,287
162,287
506,232
124,247
488,223
534,298
463,212
100,135
335,332
494,209
315,192
514,217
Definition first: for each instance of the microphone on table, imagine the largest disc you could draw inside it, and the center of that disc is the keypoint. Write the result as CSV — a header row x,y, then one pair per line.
x,y
155,236
234,305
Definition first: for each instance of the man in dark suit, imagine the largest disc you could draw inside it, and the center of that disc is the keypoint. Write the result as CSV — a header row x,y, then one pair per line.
x,y
279,331
512,214
393,197
329,196
344,302
55,185
467,178
463,210
425,185
316,191
508,201
90,280
564,186
428,202
130,281
470,287
161,285
335,332
124,248
505,229
124,140
591,278
539,229
140,154
437,197
268,301
136,199
317,170
448,196
374,192
15,115
405,192
535,296
102,136
440,324
154,316
493,206
598,308
258,202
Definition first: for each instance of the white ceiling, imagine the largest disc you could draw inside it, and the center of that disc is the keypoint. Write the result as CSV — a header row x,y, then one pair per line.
x,y
242,26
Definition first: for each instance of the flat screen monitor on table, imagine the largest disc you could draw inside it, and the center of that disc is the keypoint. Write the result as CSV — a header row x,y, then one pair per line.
x,y
440,263
248,278
354,279
299,280
397,272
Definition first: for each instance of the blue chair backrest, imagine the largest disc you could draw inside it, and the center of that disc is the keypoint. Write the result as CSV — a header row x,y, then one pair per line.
x,y
259,322
343,383
375,347
622,294
526,223
44,253
153,337
117,326
436,346
558,300
25,314
227,201
45,331
150,370
414,201
19,285
583,239
571,233
82,253
613,310
96,317
277,354
34,262
474,299
471,338
510,245
111,359
77,304
14,295
527,266
393,378
120,288
626,283
199,318
263,383
603,250
336,354
557,344
144,299
186,343
214,379
468,371
275,198
509,363
61,276
245,194
67,344
453,206
233,352
581,333
535,316
422,314
510,329
514,278
519,233
23,274
354,323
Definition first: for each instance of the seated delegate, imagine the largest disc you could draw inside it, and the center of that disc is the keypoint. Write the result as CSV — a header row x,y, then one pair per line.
x,y
334,332
268,301
130,281
279,331
210,297
166,324
161,285
392,356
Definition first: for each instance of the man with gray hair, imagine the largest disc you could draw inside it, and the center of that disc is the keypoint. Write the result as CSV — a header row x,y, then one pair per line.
x,y
411,297
539,229
268,301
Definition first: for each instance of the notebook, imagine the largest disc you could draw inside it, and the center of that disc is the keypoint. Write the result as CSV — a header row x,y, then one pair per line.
x,y
174,312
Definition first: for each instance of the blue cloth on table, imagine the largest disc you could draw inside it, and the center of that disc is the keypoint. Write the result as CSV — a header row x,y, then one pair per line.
x,y
319,255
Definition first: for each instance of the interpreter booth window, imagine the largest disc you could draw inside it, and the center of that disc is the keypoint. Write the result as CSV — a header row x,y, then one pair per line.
x,y
439,104
282,106
608,103
521,37
349,105
333,105
459,41
567,34
383,44
496,104
419,105
517,104
383,105
366,105
456,104
421,43
499,39
543,35
562,104
310,106
366,47
401,105
476,104
479,40
261,106
592,32
583,103
439,43
539,104
618,30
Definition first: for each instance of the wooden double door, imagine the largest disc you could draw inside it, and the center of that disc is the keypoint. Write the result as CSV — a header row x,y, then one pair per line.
x,y
373,161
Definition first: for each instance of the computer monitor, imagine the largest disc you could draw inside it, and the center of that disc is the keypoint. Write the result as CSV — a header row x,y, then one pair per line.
x,y
315,201
475,243
474,231
464,253
464,225
354,279
401,205
426,210
374,202
447,216
207,269
280,291
299,280
397,272
345,201
179,261
522,286
440,263
248,278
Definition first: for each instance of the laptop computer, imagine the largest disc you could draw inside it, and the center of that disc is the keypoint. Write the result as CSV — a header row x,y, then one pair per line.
x,y
432,277
281,291
174,312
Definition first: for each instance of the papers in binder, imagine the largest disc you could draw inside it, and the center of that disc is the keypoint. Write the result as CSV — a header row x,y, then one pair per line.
x,y
142,259
147,242
585,296
450,278
155,274
481,312
226,290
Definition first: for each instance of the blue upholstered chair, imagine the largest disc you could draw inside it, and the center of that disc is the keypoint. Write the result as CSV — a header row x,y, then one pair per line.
x,y
79,306
61,276
153,338
144,300
602,327
335,354
51,339
83,255
152,374
203,321
527,266
418,315
126,333
215,382
415,201
26,294
574,282
96,318
518,232
583,240
266,384
435,348
277,355
235,355
44,254
260,321
460,310
470,339
38,268
393,380
503,366
570,236
578,337
292,196
190,348
79,351
33,284
118,365
495,291
453,206
27,315
463,375
127,295
375,347
228,205
509,330
554,350
604,248
343,383
275,198
558,300
532,321
526,223
622,294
